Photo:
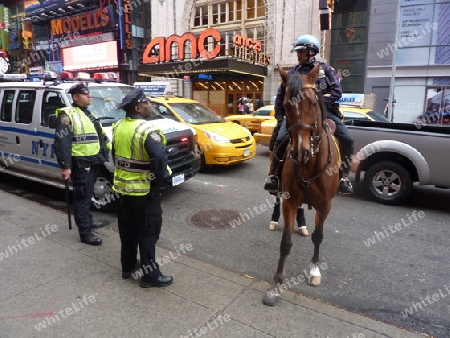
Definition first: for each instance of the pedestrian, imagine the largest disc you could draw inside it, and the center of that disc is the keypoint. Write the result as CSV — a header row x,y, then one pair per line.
x,y
251,109
240,106
276,213
307,47
258,103
140,168
81,148
302,230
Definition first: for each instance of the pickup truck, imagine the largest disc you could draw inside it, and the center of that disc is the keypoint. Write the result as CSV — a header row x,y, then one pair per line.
x,y
394,156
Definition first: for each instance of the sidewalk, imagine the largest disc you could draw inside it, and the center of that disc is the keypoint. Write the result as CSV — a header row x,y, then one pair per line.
x,y
55,286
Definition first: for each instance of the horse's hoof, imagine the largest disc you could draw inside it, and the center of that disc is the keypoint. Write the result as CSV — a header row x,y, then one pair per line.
x,y
273,226
270,297
314,280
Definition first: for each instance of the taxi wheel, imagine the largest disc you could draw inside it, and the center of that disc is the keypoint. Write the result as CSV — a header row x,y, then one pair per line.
x,y
104,198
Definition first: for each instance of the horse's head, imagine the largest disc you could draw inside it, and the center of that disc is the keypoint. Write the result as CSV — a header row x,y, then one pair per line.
x,y
303,114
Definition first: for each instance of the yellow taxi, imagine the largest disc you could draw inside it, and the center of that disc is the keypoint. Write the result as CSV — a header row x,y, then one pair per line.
x,y
252,122
350,114
220,142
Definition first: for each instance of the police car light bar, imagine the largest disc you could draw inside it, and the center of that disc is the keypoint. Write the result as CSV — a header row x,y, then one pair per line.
x,y
13,77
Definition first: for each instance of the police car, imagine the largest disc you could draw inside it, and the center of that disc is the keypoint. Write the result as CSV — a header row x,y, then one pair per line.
x,y
26,139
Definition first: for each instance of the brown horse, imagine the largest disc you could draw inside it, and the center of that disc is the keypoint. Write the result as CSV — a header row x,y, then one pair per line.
x,y
307,177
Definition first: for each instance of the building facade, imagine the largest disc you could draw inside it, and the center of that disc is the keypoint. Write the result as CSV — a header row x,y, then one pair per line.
x,y
221,50
408,58
241,40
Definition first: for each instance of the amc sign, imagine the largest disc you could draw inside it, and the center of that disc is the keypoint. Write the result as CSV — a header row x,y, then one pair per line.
x,y
198,48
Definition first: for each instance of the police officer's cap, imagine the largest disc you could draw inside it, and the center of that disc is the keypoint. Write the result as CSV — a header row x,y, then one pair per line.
x,y
79,88
132,99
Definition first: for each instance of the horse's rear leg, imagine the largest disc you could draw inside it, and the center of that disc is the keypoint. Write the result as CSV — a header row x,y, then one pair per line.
x,y
289,213
315,277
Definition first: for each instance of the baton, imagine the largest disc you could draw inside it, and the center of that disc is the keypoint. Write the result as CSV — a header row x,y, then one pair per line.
x,y
68,203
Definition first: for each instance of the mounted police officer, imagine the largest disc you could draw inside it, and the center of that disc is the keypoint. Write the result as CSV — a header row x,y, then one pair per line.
x,y
81,148
141,166
307,47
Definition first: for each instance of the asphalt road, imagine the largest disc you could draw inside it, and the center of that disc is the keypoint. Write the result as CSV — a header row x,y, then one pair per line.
x,y
397,274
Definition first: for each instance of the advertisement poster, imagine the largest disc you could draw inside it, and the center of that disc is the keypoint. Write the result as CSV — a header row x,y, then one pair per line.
x,y
4,27
415,26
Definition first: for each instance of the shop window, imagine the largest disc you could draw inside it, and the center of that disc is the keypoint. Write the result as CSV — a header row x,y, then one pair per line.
x,y
238,10
251,9
231,15
222,13
437,106
215,14
260,9
197,17
7,103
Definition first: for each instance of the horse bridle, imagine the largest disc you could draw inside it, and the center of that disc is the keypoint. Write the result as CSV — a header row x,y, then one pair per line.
x,y
313,137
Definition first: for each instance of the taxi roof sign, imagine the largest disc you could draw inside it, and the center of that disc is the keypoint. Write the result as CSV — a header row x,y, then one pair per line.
x,y
354,100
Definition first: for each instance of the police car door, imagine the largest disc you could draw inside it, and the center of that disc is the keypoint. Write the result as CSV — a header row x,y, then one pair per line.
x,y
28,136
17,126
44,144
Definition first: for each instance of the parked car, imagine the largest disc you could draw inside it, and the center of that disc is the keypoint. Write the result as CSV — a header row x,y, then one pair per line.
x,y
26,142
220,142
351,114
355,113
252,122
394,156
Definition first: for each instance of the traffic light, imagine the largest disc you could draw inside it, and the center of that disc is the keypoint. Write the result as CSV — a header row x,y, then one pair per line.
x,y
27,40
325,9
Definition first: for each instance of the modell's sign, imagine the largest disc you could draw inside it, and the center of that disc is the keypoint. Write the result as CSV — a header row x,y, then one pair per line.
x,y
160,48
84,22
247,49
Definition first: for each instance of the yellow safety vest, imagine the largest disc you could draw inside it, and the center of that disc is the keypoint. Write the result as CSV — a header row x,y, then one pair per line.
x,y
85,140
132,174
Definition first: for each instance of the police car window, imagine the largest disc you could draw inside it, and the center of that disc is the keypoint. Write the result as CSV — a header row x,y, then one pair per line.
x,y
7,105
50,102
24,106
104,102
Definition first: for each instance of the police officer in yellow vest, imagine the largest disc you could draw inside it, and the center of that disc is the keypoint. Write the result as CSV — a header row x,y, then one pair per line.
x,y
81,147
141,165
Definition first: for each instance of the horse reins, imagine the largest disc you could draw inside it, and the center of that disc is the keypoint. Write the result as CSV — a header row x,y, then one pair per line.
x,y
312,128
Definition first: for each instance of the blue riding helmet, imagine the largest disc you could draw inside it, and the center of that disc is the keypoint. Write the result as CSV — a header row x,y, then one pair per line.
x,y
306,41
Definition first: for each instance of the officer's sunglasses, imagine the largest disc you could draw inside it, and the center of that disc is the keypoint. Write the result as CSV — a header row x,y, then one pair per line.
x,y
142,100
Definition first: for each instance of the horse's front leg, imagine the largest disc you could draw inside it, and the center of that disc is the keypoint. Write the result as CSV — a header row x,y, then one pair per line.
x,y
289,213
315,277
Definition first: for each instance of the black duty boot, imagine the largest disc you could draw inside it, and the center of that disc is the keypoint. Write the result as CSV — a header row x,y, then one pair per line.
x,y
272,184
90,239
159,282
345,187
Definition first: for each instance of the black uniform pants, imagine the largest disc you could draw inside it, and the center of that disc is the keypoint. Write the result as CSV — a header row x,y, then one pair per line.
x,y
345,140
140,221
83,181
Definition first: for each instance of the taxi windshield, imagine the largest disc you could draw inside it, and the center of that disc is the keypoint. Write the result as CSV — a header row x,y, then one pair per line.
x,y
196,113
105,100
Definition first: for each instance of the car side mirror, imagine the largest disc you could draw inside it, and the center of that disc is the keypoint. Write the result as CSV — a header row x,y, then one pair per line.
x,y
52,121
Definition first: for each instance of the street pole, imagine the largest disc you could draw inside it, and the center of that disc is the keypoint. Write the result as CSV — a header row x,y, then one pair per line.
x,y
394,66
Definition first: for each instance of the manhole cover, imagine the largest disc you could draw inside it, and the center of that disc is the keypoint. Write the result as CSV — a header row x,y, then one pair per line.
x,y
215,219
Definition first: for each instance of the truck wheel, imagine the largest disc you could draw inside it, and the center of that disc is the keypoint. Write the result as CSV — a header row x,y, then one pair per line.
x,y
104,198
388,183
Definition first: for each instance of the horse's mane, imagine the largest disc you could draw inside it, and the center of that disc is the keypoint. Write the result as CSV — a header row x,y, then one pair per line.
x,y
294,83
